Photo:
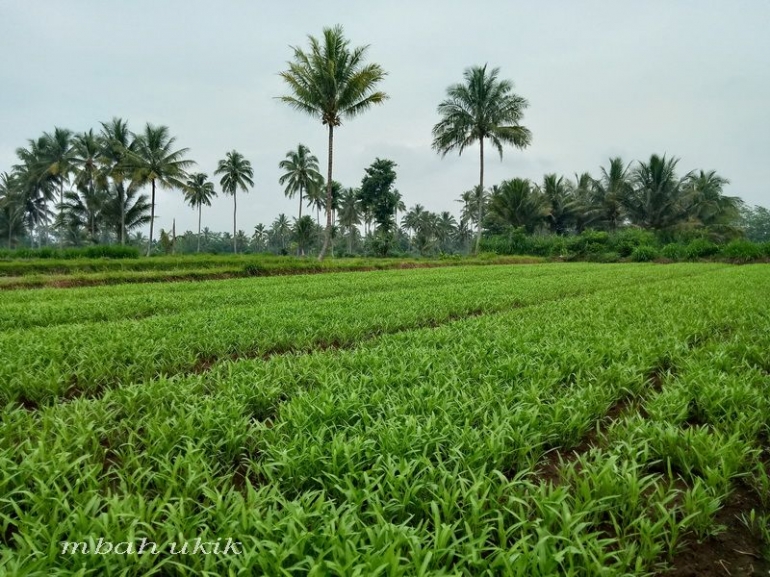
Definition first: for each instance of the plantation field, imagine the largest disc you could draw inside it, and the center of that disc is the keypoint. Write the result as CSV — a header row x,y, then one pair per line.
x,y
45,272
556,419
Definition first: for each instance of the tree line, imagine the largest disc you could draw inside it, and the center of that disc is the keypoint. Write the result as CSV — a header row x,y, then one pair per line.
x,y
79,188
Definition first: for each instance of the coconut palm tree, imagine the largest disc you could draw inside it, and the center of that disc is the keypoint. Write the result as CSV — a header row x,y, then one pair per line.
x,y
474,202
517,203
558,192
259,238
303,233
330,82
481,108
34,184
301,173
349,214
280,230
658,200
446,226
400,206
117,142
126,211
708,204
57,155
152,160
236,173
11,208
199,191
610,192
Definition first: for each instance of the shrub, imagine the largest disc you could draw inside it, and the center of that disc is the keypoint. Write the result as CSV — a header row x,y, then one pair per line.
x,y
625,241
673,251
589,242
701,248
741,251
644,253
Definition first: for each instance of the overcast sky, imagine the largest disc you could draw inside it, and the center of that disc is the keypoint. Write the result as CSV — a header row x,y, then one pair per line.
x,y
690,79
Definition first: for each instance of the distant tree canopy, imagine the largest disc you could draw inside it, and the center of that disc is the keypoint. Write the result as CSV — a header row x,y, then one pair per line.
x,y
377,196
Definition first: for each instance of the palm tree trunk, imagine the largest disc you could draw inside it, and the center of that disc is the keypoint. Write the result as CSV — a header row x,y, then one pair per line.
x,y
328,233
200,207
235,209
481,194
152,217
61,212
122,214
300,203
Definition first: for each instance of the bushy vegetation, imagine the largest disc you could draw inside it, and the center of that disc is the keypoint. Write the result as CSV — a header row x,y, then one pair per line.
x,y
50,253
447,443
627,244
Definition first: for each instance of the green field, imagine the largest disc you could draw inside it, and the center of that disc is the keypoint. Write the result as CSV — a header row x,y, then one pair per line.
x,y
553,419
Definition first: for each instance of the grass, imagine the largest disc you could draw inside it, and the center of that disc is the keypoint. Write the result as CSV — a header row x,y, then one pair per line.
x,y
389,423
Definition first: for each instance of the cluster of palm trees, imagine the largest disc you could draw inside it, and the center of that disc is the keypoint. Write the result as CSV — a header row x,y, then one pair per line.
x,y
648,195
89,183
93,180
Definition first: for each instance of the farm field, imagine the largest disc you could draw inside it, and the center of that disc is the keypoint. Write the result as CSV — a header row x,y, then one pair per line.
x,y
554,419
42,272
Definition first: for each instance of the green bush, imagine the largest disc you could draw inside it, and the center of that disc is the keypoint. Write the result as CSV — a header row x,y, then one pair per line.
x,y
765,247
589,242
674,251
741,251
625,241
701,248
644,253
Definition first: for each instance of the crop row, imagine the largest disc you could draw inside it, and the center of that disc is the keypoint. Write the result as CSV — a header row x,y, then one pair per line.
x,y
43,364
72,306
415,454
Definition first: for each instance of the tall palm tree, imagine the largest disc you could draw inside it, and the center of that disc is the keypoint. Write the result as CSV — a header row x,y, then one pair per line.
x,y
88,179
11,207
236,173
561,207
708,204
400,206
658,200
117,142
127,211
610,193
281,229
474,202
301,173
331,82
83,211
154,161
446,226
482,108
199,191
86,151
517,203
303,233
57,154
259,237
349,214
34,184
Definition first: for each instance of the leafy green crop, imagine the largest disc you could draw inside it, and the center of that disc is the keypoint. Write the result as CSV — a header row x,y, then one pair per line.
x,y
402,424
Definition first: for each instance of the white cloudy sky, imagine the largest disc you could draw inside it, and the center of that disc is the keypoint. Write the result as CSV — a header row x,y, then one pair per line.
x,y
687,78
